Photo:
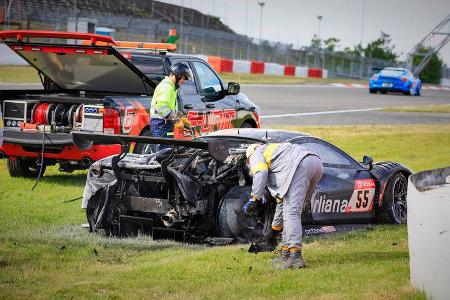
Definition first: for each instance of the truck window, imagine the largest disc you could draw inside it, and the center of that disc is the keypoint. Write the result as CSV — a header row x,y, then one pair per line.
x,y
153,68
207,77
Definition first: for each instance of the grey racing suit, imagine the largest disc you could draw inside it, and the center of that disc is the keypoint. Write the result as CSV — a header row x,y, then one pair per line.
x,y
290,172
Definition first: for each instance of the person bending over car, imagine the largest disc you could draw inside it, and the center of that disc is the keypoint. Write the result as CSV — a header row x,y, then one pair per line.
x,y
290,172
164,113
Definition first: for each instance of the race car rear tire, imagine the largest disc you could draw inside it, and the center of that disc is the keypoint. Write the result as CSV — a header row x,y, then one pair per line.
x,y
394,208
24,168
372,91
383,92
233,223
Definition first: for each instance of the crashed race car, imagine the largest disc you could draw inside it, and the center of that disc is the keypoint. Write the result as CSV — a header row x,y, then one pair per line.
x,y
194,190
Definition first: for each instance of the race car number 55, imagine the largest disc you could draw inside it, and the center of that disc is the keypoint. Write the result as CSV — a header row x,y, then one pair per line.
x,y
362,197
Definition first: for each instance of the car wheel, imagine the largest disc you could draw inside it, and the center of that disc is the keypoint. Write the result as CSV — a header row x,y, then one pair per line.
x,y
394,209
24,168
234,224
383,92
140,148
372,91
246,125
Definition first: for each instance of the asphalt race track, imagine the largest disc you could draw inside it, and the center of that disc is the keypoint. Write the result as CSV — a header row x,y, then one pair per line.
x,y
328,105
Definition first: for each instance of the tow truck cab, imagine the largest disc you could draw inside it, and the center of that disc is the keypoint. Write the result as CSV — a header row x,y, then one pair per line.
x,y
102,86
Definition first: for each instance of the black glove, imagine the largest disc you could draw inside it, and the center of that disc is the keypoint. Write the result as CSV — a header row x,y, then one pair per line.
x,y
249,207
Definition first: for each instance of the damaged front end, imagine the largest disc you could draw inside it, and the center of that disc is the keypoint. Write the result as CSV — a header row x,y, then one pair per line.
x,y
193,192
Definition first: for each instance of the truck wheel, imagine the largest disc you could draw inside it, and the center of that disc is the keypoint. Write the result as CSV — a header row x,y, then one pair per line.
x,y
144,148
24,168
394,209
234,224
246,125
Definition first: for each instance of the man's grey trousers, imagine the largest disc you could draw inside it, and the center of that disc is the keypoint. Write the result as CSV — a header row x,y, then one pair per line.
x,y
288,213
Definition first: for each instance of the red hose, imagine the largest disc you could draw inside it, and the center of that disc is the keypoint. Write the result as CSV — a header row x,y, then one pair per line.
x,y
40,113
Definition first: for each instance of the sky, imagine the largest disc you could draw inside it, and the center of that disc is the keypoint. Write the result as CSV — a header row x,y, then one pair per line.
x,y
352,21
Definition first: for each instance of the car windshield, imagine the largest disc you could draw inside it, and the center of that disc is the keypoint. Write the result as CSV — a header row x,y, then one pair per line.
x,y
392,73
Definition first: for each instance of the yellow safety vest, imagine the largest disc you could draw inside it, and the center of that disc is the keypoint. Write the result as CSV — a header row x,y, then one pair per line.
x,y
267,154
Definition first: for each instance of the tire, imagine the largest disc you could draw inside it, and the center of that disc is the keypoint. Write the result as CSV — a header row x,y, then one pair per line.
x,y
411,91
144,148
24,168
233,223
246,125
394,209
383,92
372,91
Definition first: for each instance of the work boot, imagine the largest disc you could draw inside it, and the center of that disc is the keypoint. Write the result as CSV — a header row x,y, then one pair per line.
x,y
295,259
280,261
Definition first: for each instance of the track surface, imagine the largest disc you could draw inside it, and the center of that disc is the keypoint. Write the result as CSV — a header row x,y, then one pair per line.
x,y
327,105
330,105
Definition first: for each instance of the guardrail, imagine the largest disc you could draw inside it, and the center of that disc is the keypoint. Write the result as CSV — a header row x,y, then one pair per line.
x,y
429,231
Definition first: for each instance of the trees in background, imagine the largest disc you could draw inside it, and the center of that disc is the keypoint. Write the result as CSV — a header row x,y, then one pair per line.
x,y
383,49
432,73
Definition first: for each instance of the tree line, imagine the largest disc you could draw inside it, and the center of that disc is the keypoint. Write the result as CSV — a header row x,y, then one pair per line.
x,y
382,48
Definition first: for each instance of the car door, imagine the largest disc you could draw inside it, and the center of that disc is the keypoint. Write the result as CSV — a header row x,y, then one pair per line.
x,y
346,191
220,109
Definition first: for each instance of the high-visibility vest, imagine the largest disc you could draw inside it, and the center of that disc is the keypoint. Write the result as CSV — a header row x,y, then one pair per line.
x,y
164,99
267,154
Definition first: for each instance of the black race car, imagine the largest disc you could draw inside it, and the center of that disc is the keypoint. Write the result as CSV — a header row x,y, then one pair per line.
x,y
195,189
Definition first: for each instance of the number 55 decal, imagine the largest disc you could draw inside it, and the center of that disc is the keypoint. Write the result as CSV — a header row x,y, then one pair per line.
x,y
362,197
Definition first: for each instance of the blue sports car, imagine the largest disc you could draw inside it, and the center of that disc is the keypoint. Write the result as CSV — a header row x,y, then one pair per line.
x,y
396,80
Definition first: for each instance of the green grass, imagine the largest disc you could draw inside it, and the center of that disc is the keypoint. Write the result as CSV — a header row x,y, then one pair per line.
x,y
18,74
26,74
440,108
44,253
274,79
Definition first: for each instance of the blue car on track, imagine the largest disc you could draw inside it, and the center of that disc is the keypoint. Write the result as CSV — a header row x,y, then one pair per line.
x,y
396,80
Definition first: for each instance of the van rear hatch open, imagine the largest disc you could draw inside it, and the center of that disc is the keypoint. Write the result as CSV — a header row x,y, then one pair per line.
x,y
73,67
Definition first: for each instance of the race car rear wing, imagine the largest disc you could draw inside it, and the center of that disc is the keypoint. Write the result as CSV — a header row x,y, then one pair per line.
x,y
219,149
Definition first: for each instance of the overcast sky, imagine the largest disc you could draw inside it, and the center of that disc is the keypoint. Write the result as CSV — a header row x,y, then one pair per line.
x,y
352,21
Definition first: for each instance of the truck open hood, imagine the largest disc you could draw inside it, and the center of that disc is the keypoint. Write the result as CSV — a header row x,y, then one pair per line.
x,y
84,67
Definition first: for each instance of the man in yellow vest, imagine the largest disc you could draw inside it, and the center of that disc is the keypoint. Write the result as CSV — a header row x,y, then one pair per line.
x,y
164,112
290,172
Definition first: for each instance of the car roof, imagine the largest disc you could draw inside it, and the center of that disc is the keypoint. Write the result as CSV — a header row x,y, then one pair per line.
x,y
258,134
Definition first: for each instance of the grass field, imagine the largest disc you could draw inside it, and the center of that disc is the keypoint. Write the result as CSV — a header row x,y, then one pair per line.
x,y
44,253
442,108
26,74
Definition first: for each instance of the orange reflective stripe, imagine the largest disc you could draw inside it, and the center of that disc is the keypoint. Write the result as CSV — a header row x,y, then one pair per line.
x,y
259,167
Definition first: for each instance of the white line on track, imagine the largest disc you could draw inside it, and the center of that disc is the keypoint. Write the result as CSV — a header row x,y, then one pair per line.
x,y
319,113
